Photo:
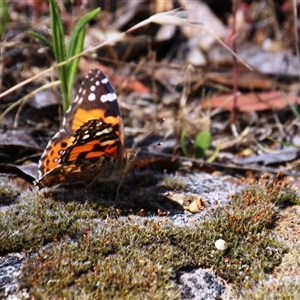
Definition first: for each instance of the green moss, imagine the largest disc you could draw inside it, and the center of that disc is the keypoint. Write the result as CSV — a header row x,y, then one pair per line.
x,y
279,190
91,252
35,220
129,258
109,262
8,193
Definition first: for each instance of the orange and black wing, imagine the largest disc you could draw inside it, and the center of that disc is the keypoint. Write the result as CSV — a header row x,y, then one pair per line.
x,y
96,100
92,131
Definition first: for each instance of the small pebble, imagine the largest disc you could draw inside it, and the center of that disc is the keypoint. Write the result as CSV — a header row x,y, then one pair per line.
x,y
221,244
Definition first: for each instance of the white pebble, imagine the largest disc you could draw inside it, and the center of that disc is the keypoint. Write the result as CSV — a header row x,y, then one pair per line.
x,y
221,244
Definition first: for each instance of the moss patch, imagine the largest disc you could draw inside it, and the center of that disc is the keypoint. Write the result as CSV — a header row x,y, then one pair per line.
x,y
114,260
89,251
284,283
35,220
8,194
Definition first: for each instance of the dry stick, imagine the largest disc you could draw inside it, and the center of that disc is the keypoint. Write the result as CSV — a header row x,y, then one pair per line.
x,y
248,167
275,21
234,48
296,33
1,59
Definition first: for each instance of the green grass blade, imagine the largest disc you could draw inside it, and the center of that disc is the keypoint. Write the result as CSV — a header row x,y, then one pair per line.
x,y
73,49
214,154
76,45
4,16
72,66
202,143
182,143
57,32
59,50
42,39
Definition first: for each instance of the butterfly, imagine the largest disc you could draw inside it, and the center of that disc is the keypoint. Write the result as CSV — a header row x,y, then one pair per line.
x,y
90,146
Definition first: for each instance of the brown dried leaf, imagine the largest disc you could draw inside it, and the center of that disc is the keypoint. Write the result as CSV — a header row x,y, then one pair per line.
x,y
251,101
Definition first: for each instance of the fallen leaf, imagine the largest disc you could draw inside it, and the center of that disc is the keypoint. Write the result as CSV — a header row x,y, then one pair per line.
x,y
251,101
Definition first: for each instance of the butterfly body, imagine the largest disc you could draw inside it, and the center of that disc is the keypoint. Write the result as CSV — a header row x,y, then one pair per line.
x,y
90,146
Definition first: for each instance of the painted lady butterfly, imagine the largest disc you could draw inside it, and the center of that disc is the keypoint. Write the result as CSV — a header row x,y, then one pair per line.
x,y
90,146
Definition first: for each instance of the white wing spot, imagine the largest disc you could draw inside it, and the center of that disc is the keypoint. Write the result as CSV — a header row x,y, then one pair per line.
x,y
106,130
109,97
97,82
93,88
86,136
92,97
104,80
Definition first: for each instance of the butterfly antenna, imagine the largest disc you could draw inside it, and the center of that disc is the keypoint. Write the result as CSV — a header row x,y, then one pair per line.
x,y
147,134
152,146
